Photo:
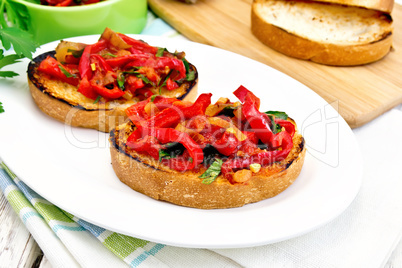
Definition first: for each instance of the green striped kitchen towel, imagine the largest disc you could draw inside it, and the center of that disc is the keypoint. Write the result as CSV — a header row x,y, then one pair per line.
x,y
68,241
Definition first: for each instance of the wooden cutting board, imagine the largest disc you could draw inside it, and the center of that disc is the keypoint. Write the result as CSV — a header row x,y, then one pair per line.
x,y
359,93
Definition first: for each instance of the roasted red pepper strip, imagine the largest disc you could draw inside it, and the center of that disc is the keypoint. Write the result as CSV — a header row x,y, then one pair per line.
x,y
263,158
86,89
65,3
139,45
170,117
241,94
257,120
165,135
84,66
172,63
136,112
171,85
137,60
113,93
289,126
52,67
101,61
149,145
227,144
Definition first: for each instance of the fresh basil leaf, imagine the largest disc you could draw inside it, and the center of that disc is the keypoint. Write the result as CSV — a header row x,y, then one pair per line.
x,y
163,155
164,82
277,114
66,73
1,108
275,128
171,150
212,172
190,75
121,79
228,111
160,51
153,97
145,79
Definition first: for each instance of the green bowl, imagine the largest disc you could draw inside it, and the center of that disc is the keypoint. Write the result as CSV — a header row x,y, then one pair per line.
x,y
47,23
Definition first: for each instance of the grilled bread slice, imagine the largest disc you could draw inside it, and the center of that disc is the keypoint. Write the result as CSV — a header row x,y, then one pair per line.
x,y
343,33
63,101
148,176
205,155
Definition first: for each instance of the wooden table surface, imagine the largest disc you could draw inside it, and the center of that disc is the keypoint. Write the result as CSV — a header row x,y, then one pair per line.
x,y
17,246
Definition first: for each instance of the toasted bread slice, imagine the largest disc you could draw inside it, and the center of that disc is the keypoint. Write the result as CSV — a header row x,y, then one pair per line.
x,y
61,100
381,5
90,86
148,176
326,33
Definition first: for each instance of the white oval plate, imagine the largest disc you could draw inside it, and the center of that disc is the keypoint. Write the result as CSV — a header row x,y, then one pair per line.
x,y
71,166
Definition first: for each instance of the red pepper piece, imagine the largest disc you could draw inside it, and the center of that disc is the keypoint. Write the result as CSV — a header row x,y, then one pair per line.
x,y
113,93
227,144
262,158
149,145
134,60
133,83
144,92
165,135
64,3
136,112
251,136
96,58
289,127
139,45
173,64
170,117
51,67
84,66
171,85
86,89
102,44
257,120
241,94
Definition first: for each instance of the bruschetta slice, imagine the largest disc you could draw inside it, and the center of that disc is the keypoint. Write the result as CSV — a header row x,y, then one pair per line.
x,y
207,156
91,85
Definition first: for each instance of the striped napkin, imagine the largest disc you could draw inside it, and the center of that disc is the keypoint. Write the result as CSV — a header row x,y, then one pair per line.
x,y
68,241
365,235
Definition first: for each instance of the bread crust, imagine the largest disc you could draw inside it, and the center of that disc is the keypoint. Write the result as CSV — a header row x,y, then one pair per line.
x,y
149,177
324,53
101,118
381,5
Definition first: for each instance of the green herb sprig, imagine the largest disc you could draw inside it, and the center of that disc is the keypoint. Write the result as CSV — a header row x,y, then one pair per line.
x,y
13,33
212,172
